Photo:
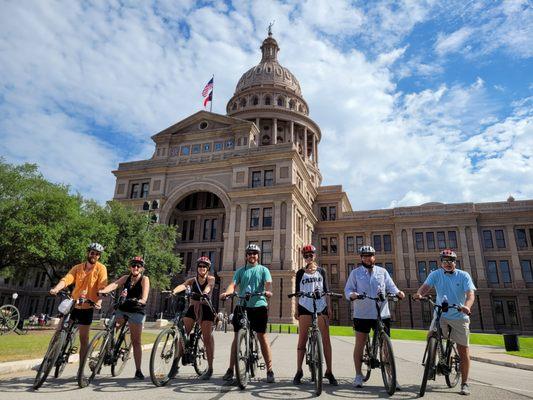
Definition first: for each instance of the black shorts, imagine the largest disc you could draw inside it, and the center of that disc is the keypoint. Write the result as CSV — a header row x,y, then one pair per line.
x,y
304,311
258,317
82,316
207,314
364,325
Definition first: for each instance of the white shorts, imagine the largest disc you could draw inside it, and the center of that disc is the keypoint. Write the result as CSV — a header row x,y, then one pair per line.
x,y
460,329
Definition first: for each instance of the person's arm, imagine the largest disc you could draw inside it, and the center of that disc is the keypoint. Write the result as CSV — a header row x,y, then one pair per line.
x,y
422,291
145,284
210,285
112,286
391,287
350,289
68,279
268,282
469,302
181,287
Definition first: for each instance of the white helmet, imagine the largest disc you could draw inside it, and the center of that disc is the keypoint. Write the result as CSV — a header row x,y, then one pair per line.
x,y
367,250
96,247
253,247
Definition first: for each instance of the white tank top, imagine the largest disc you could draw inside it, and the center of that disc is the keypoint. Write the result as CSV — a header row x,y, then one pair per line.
x,y
310,283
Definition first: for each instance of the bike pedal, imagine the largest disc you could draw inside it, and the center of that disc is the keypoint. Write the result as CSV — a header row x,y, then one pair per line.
x,y
73,350
262,366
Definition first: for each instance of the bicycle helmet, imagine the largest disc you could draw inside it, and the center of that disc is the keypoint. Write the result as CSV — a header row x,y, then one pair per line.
x,y
204,260
367,251
308,248
253,247
137,260
95,247
448,254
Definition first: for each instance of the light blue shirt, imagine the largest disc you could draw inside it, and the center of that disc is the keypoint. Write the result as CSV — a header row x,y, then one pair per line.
x,y
362,281
454,286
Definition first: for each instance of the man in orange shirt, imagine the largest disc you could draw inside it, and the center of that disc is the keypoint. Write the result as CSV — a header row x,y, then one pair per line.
x,y
88,277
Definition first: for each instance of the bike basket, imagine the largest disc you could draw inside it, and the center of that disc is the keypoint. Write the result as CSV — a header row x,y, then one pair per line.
x,y
65,306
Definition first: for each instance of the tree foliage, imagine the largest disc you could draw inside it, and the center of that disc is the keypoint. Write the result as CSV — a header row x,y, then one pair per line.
x,y
45,228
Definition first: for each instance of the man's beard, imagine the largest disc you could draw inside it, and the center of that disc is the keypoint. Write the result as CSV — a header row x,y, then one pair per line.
x,y
91,259
367,265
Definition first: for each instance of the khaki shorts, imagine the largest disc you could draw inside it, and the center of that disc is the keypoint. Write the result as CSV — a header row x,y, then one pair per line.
x,y
460,329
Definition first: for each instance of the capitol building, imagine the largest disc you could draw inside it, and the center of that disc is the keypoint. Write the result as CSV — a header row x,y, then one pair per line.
x,y
253,176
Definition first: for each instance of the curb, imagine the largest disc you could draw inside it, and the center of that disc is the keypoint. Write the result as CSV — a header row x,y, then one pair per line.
x,y
502,363
27,365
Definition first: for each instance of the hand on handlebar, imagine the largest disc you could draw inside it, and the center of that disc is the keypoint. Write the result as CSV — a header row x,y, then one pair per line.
x,y
355,296
465,309
268,294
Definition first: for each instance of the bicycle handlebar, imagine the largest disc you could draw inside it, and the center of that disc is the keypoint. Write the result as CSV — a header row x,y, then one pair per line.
x,y
246,296
458,307
380,297
315,295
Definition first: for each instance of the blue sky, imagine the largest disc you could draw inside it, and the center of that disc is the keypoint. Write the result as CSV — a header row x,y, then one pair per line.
x,y
418,101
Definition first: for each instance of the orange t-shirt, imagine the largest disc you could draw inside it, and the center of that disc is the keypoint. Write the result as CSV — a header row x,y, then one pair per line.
x,y
90,282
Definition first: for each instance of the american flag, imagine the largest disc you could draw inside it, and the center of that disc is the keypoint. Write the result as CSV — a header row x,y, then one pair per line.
x,y
207,88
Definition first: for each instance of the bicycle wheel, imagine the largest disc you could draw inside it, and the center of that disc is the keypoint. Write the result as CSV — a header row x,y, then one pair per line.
x,y
50,358
366,364
164,358
317,357
429,364
255,351
453,361
122,351
68,349
387,363
93,360
200,355
10,317
242,357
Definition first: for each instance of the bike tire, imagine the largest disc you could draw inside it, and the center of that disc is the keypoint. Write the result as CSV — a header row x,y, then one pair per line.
x,y
164,358
66,352
49,359
200,355
309,358
122,351
242,358
10,318
94,358
429,365
366,364
453,361
318,360
387,363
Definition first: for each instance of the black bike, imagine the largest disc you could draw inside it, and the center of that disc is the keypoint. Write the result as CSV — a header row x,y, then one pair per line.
x,y
111,347
247,351
166,353
439,359
62,344
381,340
314,354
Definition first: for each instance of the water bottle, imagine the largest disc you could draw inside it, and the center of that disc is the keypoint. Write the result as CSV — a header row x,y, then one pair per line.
x,y
123,296
83,297
445,303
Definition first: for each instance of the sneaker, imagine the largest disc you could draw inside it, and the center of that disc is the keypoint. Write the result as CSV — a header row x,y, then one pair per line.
x,y
207,374
297,380
270,377
398,387
228,376
465,390
358,381
332,381
139,375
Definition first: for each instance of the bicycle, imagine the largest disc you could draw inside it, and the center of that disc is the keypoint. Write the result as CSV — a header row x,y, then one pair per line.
x,y
166,352
314,354
62,344
449,362
247,352
109,347
380,339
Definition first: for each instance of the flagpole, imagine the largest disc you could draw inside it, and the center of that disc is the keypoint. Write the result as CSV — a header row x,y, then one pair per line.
x,y
212,91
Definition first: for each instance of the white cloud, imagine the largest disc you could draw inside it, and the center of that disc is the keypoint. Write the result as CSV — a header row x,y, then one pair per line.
x,y
453,42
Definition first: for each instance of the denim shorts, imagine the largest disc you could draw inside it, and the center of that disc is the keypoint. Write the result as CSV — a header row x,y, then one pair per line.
x,y
133,318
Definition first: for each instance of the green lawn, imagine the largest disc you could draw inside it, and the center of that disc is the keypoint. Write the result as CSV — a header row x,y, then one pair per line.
x,y
526,343
33,345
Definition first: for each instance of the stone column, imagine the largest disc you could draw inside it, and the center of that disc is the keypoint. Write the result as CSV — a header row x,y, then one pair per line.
x,y
229,241
289,229
342,260
413,268
257,124
276,246
399,271
518,280
314,148
275,131
242,235
464,250
305,143
480,266
292,132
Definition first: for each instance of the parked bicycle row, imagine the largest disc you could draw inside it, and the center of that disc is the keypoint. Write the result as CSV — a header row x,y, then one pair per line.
x,y
189,340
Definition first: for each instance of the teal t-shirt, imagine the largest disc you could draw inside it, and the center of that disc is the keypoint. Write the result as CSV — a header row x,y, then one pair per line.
x,y
252,279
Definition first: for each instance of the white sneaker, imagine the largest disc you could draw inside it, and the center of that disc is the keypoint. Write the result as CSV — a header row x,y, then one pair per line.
x,y
358,381
465,390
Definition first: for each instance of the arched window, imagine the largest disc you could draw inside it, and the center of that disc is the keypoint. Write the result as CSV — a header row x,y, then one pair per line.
x,y
300,108
280,101
267,100
243,102
265,140
234,107
292,104
255,100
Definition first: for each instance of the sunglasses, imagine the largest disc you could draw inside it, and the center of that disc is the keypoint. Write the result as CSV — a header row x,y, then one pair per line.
x,y
94,253
136,266
252,253
202,266
367,255
310,255
448,262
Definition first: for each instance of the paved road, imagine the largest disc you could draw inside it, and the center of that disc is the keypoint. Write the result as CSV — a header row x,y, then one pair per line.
x,y
487,381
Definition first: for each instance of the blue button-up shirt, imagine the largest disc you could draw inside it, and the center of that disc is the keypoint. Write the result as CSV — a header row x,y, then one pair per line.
x,y
378,280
